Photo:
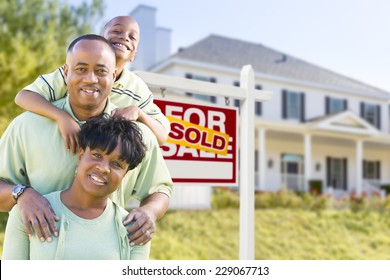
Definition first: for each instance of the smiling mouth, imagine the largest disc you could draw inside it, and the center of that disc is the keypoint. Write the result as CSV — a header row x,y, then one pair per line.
x,y
90,91
97,180
121,46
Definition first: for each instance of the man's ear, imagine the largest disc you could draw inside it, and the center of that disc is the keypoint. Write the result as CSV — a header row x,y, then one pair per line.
x,y
66,69
115,73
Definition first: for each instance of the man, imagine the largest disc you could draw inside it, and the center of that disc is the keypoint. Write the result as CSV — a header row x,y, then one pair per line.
x,y
32,150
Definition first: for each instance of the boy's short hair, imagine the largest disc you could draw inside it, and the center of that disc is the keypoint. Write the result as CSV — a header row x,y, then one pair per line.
x,y
105,133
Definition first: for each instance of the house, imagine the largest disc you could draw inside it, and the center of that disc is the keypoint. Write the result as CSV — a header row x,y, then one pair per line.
x,y
319,125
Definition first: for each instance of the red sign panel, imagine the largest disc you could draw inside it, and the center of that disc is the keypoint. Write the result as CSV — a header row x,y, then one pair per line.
x,y
202,144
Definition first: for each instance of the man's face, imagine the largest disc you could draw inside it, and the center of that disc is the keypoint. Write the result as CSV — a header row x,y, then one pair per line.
x,y
123,34
89,74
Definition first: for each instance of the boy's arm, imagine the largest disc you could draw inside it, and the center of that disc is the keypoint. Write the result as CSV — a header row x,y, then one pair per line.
x,y
33,102
134,113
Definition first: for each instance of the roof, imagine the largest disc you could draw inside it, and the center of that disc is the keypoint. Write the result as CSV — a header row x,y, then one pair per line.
x,y
228,52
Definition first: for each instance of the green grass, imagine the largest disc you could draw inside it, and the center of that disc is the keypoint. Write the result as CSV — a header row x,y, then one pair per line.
x,y
280,234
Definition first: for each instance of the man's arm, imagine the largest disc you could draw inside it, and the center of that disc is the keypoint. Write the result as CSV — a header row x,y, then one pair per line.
x,y
151,209
35,210
34,207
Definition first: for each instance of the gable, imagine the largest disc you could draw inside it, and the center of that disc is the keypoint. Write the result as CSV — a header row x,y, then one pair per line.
x,y
346,122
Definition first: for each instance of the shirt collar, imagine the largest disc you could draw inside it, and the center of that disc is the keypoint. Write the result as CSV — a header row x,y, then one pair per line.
x,y
124,78
67,108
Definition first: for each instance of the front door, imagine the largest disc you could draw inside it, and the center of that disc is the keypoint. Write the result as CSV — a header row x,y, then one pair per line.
x,y
337,173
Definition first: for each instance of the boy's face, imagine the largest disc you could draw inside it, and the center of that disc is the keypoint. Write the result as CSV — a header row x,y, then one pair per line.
x,y
123,33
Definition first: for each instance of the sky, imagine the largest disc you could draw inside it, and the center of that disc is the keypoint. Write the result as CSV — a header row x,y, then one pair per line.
x,y
349,37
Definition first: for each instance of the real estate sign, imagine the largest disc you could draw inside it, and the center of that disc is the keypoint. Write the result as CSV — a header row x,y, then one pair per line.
x,y
202,144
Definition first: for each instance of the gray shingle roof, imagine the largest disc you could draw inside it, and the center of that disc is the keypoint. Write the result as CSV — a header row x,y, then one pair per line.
x,y
229,52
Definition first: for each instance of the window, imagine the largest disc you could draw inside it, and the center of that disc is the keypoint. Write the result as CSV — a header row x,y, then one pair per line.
x,y
371,169
258,104
371,113
293,104
335,105
207,98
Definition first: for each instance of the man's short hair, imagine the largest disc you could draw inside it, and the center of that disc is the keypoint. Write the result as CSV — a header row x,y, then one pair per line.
x,y
105,133
91,37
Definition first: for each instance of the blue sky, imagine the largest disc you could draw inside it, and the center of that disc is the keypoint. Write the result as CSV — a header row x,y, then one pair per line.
x,y
350,37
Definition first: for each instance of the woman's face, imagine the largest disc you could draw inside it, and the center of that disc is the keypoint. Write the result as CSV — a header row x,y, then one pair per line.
x,y
100,174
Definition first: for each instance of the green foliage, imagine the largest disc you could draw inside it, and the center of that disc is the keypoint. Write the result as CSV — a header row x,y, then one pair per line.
x,y
34,35
224,198
315,186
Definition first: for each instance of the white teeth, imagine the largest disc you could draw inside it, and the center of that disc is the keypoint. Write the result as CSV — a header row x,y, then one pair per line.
x,y
120,45
97,179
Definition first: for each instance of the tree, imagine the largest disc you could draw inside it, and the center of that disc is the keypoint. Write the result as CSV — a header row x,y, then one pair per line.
x,y
34,35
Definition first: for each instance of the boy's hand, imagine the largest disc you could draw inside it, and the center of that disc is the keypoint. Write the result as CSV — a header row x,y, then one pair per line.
x,y
36,211
69,129
130,113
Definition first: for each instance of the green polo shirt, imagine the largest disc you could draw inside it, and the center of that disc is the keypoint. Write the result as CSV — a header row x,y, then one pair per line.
x,y
128,90
32,152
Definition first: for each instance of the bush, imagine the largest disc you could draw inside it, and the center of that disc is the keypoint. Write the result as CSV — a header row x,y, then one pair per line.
x,y
386,188
315,186
225,198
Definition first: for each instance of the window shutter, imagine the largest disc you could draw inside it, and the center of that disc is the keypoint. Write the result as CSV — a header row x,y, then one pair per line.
x,y
327,105
378,116
345,104
378,170
258,108
303,118
284,104
364,169
345,173
362,109
328,179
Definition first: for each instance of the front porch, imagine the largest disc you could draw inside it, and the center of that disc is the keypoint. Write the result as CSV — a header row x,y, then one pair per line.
x,y
353,160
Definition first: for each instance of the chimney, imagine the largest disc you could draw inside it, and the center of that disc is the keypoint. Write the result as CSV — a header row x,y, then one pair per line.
x,y
155,42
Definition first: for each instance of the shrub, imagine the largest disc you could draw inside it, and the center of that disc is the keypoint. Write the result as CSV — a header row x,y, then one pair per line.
x,y
225,198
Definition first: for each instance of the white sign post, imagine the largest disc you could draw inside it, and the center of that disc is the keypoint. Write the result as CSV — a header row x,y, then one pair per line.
x,y
247,95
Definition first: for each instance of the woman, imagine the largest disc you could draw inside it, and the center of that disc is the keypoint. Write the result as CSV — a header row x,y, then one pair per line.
x,y
90,225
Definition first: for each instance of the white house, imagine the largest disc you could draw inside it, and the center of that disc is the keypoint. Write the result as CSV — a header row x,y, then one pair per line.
x,y
319,125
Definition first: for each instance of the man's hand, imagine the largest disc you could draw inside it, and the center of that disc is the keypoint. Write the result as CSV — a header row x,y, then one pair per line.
x,y
130,113
142,228
36,211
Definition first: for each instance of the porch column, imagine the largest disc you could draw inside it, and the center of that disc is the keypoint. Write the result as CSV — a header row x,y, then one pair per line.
x,y
261,159
359,167
307,167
